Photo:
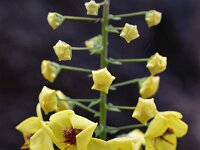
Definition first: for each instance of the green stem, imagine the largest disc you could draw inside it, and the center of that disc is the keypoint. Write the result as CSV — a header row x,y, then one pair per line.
x,y
132,14
81,18
129,127
79,48
126,82
103,63
75,69
128,60
125,107
86,108
82,100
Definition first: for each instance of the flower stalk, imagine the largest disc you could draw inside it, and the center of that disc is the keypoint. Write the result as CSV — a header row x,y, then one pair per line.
x,y
131,14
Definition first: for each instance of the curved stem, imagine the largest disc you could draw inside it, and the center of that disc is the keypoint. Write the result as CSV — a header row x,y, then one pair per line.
x,y
79,48
125,107
128,60
103,63
39,112
126,82
129,127
132,14
86,108
81,18
75,69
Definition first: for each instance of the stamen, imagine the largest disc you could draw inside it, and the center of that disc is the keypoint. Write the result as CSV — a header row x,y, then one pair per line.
x,y
70,135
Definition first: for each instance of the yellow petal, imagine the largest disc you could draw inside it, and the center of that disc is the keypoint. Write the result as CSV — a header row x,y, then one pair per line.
x,y
166,142
102,80
92,8
153,18
121,143
138,138
129,32
83,138
157,127
63,50
48,100
149,86
97,144
41,141
30,125
145,110
79,122
55,19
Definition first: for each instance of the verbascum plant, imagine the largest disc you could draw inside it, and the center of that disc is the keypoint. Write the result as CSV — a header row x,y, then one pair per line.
x,y
67,130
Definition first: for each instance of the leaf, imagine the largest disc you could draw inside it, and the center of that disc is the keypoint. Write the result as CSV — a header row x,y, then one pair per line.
x,y
111,107
112,29
98,130
95,102
112,17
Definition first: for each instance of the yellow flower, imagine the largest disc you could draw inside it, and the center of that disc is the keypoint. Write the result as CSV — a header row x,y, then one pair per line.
x,y
63,50
49,70
62,104
55,19
149,86
145,110
70,131
102,80
138,138
164,129
92,8
122,143
153,18
48,100
129,32
156,64
34,135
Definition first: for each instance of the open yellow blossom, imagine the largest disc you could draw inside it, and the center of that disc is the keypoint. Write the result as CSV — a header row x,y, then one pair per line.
x,y
48,100
49,70
123,143
102,80
55,19
153,18
70,131
34,135
138,138
163,131
156,64
92,8
129,32
145,110
63,50
149,86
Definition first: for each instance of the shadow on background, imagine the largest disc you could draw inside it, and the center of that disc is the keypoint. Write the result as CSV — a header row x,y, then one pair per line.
x,y
26,39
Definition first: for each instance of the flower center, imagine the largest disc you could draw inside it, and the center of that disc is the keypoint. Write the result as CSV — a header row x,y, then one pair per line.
x,y
70,135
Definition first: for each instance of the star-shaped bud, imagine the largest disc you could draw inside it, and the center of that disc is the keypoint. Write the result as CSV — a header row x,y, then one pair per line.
x,y
63,50
92,8
49,70
55,19
149,86
145,110
102,80
48,100
129,32
157,64
153,18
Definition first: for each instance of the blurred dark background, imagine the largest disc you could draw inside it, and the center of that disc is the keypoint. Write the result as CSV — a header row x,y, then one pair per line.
x,y
26,39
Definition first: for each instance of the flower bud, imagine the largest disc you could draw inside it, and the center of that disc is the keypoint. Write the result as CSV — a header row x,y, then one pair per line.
x,y
94,44
62,103
129,32
102,80
156,64
63,50
55,19
92,8
153,18
145,110
48,100
49,70
149,86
